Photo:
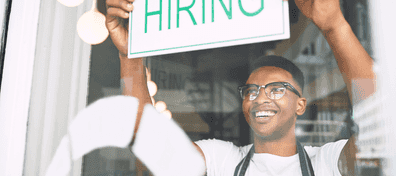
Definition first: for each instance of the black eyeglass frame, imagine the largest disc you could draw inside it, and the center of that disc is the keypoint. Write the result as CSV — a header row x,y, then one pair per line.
x,y
286,84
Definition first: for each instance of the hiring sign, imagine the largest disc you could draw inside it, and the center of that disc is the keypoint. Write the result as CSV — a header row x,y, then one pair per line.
x,y
159,27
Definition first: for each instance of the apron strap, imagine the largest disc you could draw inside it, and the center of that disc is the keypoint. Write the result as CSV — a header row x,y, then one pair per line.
x,y
305,162
245,164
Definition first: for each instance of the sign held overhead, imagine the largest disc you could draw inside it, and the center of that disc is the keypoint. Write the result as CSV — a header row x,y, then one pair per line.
x,y
159,27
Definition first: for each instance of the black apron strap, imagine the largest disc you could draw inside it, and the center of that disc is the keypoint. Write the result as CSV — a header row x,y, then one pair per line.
x,y
305,162
245,163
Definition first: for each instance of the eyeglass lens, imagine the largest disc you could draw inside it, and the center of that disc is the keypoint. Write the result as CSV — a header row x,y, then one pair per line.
x,y
273,91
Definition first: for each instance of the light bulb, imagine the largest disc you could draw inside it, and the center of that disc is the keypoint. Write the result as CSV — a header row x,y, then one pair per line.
x,y
71,3
152,87
160,106
91,27
167,113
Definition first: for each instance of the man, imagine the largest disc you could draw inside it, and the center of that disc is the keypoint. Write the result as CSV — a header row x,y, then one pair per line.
x,y
271,101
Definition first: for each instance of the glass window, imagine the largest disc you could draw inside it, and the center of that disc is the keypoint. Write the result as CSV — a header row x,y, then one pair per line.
x,y
199,89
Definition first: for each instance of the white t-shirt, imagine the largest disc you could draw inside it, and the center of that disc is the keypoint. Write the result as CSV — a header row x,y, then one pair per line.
x,y
222,158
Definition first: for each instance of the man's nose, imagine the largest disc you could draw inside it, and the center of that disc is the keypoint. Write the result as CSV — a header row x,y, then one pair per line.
x,y
262,97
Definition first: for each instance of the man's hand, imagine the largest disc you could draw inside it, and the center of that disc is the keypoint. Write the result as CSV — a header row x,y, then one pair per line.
x,y
326,14
118,10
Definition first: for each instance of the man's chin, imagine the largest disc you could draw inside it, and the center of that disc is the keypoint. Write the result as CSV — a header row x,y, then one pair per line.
x,y
268,135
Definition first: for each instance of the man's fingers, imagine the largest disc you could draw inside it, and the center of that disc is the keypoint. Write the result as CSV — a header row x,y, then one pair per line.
x,y
117,12
123,4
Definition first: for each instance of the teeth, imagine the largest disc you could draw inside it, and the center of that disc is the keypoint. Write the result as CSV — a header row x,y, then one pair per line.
x,y
265,113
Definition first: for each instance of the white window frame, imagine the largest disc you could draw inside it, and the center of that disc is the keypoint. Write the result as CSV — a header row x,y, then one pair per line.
x,y
382,41
16,84
45,84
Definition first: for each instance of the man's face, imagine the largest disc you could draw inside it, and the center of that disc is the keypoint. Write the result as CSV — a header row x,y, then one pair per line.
x,y
280,115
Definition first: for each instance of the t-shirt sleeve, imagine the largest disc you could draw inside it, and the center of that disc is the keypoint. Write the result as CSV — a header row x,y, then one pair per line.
x,y
220,156
328,156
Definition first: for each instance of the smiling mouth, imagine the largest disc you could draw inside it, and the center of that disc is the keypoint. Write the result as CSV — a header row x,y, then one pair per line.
x,y
264,114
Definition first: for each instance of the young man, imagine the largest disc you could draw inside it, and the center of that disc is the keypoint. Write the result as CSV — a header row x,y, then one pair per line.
x,y
271,101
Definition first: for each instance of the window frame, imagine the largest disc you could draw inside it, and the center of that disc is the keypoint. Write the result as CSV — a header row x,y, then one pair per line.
x,y
44,55
16,83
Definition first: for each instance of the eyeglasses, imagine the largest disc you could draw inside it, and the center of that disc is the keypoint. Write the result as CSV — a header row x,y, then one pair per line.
x,y
274,91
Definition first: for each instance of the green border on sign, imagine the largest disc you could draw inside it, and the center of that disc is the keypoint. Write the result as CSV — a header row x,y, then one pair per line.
x,y
130,37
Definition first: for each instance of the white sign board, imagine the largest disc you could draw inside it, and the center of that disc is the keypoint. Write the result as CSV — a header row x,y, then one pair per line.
x,y
159,27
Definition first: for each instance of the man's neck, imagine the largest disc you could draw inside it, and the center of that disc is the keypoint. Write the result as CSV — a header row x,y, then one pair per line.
x,y
282,147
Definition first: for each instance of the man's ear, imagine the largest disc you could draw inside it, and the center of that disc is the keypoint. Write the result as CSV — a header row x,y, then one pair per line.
x,y
301,106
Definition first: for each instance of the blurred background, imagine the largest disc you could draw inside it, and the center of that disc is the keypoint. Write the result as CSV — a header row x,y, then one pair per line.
x,y
51,68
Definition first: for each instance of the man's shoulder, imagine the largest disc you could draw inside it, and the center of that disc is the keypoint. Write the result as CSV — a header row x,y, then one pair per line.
x,y
222,156
217,144
326,148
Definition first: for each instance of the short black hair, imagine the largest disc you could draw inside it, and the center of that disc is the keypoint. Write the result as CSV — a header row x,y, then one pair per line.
x,y
283,63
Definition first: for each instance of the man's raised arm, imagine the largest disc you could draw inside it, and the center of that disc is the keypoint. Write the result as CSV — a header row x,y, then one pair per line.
x,y
353,61
133,74
355,64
